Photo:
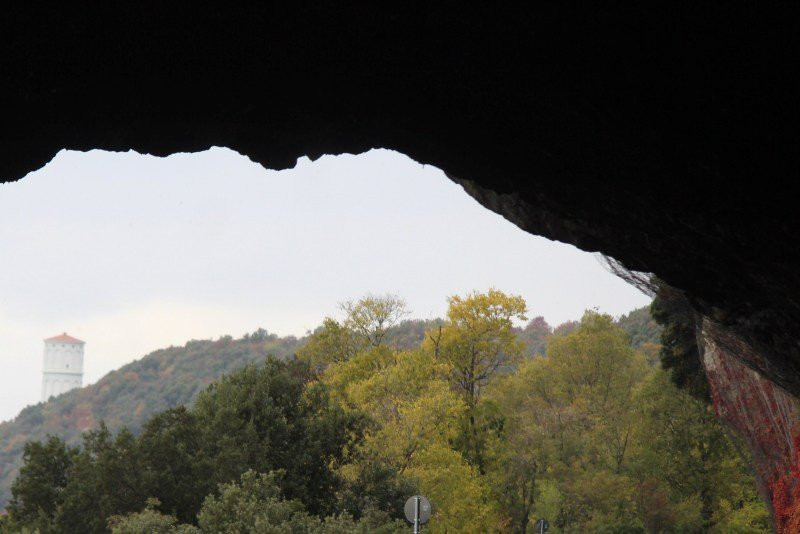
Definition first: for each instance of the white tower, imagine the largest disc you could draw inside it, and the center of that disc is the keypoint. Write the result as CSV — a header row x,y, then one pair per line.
x,y
63,365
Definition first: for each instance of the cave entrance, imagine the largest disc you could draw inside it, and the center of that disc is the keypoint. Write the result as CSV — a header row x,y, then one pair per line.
x,y
210,243
134,253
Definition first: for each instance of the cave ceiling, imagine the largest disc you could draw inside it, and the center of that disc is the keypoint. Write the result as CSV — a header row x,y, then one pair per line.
x,y
663,136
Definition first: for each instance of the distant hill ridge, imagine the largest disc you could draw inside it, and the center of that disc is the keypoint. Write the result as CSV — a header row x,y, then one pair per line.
x,y
174,376
130,395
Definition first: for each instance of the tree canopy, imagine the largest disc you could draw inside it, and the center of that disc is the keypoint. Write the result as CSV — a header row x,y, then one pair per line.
x,y
593,435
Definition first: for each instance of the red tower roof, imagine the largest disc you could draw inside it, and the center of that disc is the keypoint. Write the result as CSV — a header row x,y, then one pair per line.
x,y
63,338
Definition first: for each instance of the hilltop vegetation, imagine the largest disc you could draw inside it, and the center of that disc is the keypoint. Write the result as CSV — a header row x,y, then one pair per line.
x,y
592,435
130,395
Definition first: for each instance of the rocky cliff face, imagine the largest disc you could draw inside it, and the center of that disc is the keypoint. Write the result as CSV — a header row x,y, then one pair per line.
x,y
765,417
661,136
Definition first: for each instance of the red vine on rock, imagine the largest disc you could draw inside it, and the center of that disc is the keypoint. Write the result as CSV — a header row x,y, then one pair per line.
x,y
766,418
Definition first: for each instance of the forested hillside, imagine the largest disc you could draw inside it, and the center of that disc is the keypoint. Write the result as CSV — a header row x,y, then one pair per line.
x,y
172,377
130,395
640,325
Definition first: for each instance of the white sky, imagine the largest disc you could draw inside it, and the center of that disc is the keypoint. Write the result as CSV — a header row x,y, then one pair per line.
x,y
133,253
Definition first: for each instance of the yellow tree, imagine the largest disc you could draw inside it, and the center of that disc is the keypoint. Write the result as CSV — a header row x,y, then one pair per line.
x,y
478,339
366,323
330,343
404,393
460,496
476,342
417,415
371,317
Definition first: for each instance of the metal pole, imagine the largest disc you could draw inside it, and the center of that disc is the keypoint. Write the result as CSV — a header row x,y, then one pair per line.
x,y
416,515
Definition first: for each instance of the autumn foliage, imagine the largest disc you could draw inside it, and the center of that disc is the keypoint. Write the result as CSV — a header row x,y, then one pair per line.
x,y
766,418
592,434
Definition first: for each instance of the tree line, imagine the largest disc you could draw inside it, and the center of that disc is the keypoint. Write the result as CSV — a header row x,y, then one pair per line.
x,y
593,435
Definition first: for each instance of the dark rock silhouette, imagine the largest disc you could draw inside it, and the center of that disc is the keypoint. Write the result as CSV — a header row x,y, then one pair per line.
x,y
663,136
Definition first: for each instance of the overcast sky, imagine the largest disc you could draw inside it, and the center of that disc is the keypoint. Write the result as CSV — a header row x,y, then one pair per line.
x,y
132,253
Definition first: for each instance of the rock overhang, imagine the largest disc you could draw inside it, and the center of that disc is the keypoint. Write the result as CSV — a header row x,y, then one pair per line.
x,y
661,136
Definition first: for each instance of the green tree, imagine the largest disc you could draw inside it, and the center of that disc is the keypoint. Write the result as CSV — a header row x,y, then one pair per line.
x,y
149,521
597,371
521,452
36,492
373,486
255,504
265,418
106,479
175,469
567,424
128,396
686,449
680,354
62,489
